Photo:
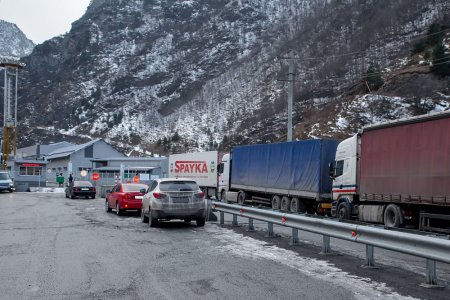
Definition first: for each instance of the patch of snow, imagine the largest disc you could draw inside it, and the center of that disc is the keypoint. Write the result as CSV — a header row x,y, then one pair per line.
x,y
249,248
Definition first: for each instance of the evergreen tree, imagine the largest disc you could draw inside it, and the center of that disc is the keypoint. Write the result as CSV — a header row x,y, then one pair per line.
x,y
373,77
435,34
441,60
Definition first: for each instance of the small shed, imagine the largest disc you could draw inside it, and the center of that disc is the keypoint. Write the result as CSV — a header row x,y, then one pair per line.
x,y
29,173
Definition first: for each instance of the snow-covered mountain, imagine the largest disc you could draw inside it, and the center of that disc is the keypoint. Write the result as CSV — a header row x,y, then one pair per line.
x,y
155,75
13,41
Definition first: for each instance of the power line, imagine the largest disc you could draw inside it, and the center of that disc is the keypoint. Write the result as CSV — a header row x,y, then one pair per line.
x,y
353,52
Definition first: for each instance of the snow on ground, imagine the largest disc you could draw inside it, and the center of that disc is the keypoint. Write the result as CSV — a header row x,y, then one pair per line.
x,y
249,248
47,190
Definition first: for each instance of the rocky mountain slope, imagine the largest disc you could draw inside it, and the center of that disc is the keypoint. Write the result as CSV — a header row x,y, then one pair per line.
x,y
169,76
13,41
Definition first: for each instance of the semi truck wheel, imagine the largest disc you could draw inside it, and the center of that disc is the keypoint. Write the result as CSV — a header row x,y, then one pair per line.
x,y
276,202
393,216
297,206
223,197
285,203
343,211
241,198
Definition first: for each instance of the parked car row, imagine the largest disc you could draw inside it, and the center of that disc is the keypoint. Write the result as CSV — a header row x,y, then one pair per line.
x,y
165,199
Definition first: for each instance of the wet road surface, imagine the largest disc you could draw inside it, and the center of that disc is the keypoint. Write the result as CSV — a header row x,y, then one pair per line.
x,y
57,248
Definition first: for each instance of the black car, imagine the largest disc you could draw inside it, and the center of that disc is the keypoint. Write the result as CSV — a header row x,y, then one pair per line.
x,y
80,189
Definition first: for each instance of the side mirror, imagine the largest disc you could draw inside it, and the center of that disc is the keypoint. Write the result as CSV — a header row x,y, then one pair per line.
x,y
331,170
108,191
143,191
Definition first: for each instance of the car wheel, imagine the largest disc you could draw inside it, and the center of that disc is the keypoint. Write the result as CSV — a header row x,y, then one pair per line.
x,y
201,222
11,191
187,220
107,208
93,197
152,220
72,196
118,210
144,218
67,196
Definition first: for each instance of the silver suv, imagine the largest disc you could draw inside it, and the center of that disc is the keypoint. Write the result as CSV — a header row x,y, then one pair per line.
x,y
6,183
173,198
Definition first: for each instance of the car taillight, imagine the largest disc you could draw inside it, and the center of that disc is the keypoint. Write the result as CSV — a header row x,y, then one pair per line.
x,y
126,197
158,195
94,189
200,195
75,189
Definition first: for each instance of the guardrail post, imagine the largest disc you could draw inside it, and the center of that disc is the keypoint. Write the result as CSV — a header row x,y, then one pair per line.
x,y
370,260
326,249
222,218
431,273
250,225
235,222
294,237
270,233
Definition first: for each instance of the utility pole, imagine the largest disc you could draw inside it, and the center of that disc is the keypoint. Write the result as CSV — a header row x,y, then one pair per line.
x,y
11,68
290,95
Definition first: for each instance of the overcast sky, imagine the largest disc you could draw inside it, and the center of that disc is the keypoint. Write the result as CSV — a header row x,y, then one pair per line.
x,y
41,20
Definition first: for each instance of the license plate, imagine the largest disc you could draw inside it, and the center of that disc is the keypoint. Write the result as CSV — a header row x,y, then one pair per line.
x,y
138,197
85,189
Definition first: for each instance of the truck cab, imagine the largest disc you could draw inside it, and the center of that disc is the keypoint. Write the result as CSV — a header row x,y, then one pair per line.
x,y
344,174
223,176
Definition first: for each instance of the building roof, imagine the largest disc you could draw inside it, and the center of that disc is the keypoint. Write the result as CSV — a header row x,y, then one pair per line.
x,y
66,151
44,149
130,159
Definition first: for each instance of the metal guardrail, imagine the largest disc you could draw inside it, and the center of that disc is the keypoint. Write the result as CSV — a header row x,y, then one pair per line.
x,y
432,248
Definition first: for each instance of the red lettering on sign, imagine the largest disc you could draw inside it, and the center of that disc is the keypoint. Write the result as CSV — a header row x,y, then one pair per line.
x,y
191,167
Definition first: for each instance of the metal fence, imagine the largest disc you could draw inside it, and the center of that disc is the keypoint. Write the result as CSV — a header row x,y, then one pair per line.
x,y
431,248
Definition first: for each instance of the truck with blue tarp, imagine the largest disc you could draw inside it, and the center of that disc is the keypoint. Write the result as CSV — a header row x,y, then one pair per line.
x,y
291,176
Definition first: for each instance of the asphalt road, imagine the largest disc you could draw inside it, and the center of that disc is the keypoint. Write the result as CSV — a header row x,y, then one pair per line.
x,y
57,248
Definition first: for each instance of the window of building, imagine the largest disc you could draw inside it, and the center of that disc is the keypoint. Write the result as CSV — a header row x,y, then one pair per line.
x,y
30,171
89,151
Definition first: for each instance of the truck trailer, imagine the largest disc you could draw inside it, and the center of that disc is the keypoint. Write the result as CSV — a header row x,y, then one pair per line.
x,y
199,166
396,173
291,176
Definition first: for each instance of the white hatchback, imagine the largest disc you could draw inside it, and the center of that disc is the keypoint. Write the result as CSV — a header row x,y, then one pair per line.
x,y
173,198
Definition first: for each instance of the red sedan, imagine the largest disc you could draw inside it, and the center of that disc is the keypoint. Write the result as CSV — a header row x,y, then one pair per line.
x,y
125,196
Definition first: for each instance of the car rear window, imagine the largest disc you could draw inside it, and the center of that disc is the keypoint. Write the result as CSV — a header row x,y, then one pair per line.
x,y
178,186
82,183
133,187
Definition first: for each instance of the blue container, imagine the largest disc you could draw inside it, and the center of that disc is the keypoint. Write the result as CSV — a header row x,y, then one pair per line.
x,y
292,168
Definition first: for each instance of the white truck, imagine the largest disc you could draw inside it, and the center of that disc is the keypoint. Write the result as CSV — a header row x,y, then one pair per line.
x,y
199,166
